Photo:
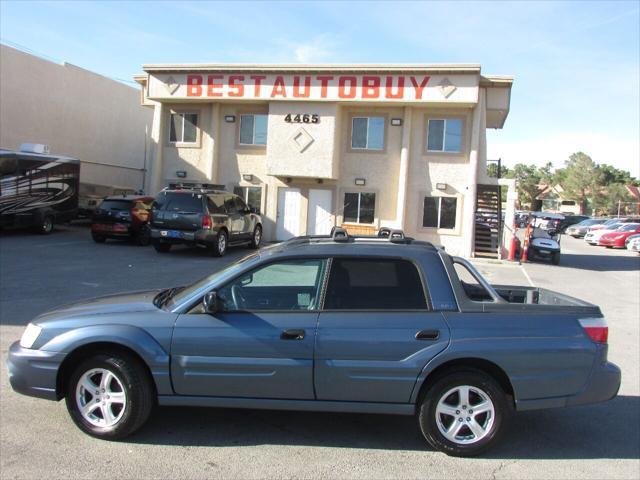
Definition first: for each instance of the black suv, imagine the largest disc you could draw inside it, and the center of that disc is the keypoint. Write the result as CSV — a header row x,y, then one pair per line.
x,y
213,219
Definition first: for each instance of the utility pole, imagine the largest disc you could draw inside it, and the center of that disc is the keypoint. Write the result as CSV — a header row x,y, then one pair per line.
x,y
619,208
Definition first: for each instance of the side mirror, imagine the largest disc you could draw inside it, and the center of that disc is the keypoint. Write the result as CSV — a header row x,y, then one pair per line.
x,y
210,302
255,210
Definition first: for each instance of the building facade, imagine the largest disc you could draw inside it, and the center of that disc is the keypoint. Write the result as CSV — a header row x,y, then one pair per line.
x,y
316,146
77,113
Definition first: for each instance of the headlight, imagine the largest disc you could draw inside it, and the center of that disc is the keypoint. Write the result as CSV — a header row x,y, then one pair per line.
x,y
30,335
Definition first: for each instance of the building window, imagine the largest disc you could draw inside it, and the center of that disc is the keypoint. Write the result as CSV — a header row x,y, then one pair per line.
x,y
359,207
253,129
251,195
445,135
183,128
439,212
367,133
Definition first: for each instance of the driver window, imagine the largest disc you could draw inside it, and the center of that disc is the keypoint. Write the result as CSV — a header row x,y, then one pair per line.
x,y
287,285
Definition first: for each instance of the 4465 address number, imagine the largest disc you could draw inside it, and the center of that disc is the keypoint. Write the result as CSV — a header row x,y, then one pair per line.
x,y
302,118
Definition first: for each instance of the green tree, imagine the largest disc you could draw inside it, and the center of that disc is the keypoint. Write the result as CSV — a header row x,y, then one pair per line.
x,y
582,178
607,201
531,181
612,175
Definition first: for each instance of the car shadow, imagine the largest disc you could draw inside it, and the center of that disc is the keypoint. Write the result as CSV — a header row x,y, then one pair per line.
x,y
607,430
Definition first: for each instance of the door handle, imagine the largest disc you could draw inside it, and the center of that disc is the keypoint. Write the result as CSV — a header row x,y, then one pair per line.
x,y
427,335
292,334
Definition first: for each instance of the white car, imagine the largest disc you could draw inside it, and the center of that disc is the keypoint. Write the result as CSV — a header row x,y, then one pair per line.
x,y
593,236
634,244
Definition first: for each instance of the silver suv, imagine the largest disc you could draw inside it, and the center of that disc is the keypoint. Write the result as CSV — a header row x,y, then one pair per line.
x,y
213,219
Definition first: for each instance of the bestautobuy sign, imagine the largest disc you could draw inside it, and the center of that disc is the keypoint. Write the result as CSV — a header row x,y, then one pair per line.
x,y
321,87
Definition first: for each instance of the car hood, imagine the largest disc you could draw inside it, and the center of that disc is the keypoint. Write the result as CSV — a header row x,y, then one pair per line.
x,y
119,303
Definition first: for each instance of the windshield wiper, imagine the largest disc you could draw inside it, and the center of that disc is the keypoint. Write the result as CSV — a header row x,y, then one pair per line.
x,y
163,297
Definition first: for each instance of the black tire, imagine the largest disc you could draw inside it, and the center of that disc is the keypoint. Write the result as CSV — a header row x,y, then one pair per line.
x,y
46,225
143,237
219,247
138,389
98,238
162,247
256,240
452,379
555,258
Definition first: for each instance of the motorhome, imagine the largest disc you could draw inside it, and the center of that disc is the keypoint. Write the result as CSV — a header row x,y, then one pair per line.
x,y
37,190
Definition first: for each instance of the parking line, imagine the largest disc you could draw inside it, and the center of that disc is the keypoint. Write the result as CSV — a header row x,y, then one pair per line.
x,y
527,276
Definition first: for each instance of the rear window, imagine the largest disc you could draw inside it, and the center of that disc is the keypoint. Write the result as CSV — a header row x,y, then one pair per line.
x,y
374,284
115,205
179,202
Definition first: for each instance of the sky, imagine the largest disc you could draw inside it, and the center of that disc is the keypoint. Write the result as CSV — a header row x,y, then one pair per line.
x,y
576,64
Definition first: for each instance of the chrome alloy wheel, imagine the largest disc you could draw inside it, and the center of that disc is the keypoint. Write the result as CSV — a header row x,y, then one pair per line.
x,y
257,236
465,415
222,243
100,397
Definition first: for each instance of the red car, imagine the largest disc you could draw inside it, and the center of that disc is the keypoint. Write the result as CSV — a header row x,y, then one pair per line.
x,y
617,238
123,217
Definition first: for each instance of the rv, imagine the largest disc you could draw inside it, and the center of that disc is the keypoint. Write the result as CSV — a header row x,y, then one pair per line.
x,y
37,190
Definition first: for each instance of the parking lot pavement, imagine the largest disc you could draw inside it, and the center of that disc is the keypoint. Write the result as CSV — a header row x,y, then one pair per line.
x,y
37,439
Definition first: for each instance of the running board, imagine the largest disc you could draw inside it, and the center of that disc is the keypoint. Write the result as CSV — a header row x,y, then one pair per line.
x,y
277,404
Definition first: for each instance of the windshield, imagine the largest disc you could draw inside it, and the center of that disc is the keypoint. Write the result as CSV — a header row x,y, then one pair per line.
x,y
589,222
230,270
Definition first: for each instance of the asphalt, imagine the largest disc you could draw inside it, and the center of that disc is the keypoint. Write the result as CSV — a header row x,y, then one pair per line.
x,y
38,440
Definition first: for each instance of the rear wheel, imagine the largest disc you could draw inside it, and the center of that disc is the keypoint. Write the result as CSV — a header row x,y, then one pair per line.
x,y
219,248
463,413
256,239
110,396
98,238
162,247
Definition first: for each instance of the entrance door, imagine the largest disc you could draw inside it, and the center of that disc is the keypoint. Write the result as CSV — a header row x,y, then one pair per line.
x,y
319,220
288,222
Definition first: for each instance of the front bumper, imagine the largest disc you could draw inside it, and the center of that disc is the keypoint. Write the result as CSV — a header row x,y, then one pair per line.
x,y
34,372
604,242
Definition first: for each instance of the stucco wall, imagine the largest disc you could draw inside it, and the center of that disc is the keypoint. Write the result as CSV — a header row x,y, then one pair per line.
x,y
77,113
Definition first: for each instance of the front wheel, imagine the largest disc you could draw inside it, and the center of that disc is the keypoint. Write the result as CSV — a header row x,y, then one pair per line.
x,y
46,226
256,239
110,396
463,413
143,237
162,247
98,238
555,259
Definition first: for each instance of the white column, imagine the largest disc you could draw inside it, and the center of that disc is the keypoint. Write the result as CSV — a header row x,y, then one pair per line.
x,y
156,150
404,168
468,228
214,153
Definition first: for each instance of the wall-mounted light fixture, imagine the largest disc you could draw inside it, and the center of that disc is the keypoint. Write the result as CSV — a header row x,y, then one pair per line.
x,y
229,118
319,181
247,177
288,179
441,186
396,122
360,181
181,174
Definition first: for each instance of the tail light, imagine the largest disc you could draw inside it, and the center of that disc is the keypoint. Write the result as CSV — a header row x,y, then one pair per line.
x,y
206,222
596,328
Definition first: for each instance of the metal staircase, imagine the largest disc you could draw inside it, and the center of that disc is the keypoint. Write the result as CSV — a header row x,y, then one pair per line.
x,y
488,227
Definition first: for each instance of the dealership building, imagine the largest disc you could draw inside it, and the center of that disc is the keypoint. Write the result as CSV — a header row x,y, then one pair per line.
x,y
313,146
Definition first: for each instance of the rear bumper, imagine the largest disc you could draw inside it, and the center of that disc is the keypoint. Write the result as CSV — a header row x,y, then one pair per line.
x,y
115,230
603,386
34,372
197,237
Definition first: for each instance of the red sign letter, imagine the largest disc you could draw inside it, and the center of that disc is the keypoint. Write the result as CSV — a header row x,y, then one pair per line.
x,y
278,87
296,87
419,88
239,87
370,87
389,90
194,85
257,79
342,88
212,85
324,82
